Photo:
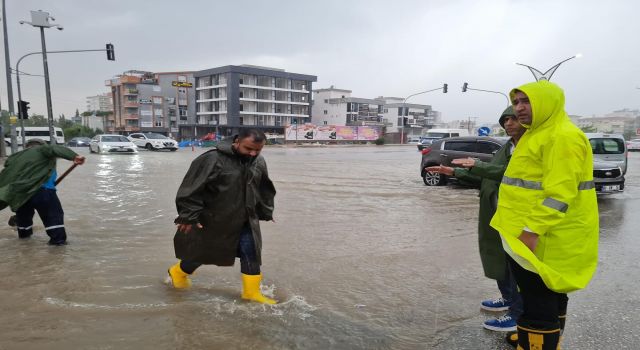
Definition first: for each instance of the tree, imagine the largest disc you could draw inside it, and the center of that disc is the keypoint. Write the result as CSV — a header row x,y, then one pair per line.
x,y
589,128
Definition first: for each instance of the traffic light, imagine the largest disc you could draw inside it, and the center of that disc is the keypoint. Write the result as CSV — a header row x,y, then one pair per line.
x,y
111,54
23,107
444,88
464,87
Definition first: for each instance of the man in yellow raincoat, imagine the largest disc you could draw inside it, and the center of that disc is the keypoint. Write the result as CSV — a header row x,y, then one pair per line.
x,y
547,213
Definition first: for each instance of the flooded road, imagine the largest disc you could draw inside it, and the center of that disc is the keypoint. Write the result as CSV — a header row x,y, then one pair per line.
x,y
362,256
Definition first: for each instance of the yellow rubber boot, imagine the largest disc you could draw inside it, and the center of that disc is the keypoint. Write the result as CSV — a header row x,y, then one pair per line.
x,y
179,278
251,289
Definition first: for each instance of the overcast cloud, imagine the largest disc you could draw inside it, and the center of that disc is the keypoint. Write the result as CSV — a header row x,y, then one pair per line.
x,y
374,48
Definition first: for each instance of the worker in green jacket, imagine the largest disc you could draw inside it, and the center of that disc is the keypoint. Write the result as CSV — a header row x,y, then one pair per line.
x,y
547,213
27,184
492,255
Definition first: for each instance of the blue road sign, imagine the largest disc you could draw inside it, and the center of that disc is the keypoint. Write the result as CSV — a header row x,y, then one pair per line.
x,y
484,131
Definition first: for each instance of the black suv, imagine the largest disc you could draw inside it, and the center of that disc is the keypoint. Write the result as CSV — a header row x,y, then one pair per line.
x,y
443,151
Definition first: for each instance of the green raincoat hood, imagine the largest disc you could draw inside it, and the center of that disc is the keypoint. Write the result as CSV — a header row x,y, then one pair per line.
x,y
547,102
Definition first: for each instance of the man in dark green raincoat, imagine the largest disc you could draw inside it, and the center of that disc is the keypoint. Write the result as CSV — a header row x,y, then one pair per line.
x,y
224,194
27,184
492,255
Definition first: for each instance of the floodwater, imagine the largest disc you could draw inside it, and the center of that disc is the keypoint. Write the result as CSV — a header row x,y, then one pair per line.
x,y
362,256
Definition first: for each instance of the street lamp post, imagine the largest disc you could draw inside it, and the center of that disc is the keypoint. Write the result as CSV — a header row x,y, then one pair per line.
x,y
538,75
41,19
110,56
401,124
466,87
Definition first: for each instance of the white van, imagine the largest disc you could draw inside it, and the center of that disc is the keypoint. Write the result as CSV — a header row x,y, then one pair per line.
x,y
35,132
437,134
442,133
609,161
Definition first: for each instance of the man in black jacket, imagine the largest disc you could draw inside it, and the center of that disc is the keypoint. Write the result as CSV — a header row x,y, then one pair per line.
x,y
224,194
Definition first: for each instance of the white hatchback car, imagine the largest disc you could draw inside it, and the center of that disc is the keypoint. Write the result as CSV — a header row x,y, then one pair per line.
x,y
633,145
153,141
112,144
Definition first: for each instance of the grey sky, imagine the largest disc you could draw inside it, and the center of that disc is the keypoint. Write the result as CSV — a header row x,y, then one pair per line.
x,y
370,47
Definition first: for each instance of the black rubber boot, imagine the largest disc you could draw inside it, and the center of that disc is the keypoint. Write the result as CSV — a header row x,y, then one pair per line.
x,y
538,335
512,339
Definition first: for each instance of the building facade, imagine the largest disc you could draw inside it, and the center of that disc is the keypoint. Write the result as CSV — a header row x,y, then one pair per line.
x,y
232,97
336,107
411,119
151,102
100,103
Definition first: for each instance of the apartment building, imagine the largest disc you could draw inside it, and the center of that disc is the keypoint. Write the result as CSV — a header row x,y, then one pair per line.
x,y
336,107
332,106
100,103
151,102
410,118
232,97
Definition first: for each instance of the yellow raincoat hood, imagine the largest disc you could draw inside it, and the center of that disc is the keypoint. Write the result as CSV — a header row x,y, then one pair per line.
x,y
548,189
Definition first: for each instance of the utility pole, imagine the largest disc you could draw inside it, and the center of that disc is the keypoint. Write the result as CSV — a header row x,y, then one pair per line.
x,y
7,68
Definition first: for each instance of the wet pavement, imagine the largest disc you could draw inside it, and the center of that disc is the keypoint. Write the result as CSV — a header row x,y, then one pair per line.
x,y
362,256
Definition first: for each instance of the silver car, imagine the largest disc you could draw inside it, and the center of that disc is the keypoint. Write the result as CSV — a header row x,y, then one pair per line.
x,y
609,161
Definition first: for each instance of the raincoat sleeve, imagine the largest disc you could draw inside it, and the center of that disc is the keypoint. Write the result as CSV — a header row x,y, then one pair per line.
x,y
489,171
266,195
190,197
56,151
563,164
464,175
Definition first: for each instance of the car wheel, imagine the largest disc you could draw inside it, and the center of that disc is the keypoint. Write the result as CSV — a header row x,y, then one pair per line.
x,y
174,149
91,149
434,179
148,147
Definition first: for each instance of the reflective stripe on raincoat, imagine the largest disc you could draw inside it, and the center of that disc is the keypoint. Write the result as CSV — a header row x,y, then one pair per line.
x,y
548,188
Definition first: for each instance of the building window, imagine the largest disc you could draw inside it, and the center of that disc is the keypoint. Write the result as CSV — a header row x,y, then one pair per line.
x,y
241,121
157,123
325,111
241,94
326,101
325,122
241,81
241,108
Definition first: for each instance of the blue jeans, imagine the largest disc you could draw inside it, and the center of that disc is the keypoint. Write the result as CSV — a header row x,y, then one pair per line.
x,y
509,290
246,252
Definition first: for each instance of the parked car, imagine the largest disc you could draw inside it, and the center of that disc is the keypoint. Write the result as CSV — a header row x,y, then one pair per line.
x,y
79,142
609,161
443,151
112,144
426,141
153,141
633,145
413,140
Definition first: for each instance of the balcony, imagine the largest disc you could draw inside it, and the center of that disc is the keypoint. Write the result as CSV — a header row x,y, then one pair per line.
x,y
130,91
131,116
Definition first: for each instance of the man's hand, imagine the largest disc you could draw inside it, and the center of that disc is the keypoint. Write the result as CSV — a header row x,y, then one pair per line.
x,y
440,169
186,228
78,160
529,239
464,162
